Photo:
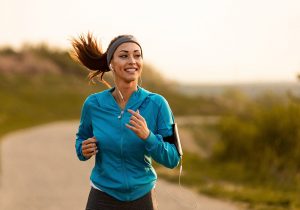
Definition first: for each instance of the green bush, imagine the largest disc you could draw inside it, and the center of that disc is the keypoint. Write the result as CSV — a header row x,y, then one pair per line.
x,y
265,139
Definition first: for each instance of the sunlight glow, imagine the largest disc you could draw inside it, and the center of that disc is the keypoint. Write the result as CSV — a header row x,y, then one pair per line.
x,y
216,41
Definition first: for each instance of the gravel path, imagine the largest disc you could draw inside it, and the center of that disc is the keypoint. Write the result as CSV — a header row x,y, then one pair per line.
x,y
40,171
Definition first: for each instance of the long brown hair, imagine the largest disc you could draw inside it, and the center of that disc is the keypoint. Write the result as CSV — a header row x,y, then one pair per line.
x,y
88,52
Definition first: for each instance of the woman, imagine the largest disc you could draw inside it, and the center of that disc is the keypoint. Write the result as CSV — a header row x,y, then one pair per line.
x,y
123,127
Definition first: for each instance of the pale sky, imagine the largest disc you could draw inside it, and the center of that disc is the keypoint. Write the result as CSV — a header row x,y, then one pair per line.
x,y
190,41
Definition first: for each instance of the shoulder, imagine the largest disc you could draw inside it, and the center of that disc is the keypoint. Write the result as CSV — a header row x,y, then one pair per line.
x,y
157,99
93,99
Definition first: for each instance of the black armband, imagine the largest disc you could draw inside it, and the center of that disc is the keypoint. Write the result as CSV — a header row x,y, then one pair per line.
x,y
174,139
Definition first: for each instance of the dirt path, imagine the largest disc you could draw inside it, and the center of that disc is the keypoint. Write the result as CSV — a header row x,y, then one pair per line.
x,y
40,171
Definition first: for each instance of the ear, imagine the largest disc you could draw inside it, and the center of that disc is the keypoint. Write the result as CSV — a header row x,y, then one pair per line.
x,y
111,68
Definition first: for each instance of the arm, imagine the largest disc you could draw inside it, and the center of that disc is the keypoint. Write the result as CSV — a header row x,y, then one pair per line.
x,y
163,152
85,130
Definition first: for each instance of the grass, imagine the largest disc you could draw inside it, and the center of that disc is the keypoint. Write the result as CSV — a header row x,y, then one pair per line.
x,y
205,136
43,99
231,181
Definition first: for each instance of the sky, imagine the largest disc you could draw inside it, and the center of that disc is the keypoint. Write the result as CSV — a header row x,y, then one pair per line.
x,y
190,41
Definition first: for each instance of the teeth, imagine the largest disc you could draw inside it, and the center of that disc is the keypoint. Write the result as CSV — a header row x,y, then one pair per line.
x,y
130,70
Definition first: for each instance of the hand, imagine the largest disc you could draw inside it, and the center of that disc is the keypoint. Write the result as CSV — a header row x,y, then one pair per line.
x,y
89,147
138,125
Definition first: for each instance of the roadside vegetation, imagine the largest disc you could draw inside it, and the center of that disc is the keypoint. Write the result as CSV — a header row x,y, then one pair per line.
x,y
39,84
251,147
252,153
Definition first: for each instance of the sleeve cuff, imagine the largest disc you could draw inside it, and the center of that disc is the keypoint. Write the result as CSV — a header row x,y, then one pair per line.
x,y
151,141
80,155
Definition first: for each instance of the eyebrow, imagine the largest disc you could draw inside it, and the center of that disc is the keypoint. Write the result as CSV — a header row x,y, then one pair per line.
x,y
126,51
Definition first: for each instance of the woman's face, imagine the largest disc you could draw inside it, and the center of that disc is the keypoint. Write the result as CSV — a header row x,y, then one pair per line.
x,y
127,62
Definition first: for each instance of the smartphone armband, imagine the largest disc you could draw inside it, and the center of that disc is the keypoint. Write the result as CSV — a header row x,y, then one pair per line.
x,y
175,139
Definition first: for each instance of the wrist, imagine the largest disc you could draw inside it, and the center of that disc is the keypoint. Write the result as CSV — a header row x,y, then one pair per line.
x,y
146,135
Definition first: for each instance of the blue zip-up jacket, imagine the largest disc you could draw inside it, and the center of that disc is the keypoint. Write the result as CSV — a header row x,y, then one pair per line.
x,y
123,164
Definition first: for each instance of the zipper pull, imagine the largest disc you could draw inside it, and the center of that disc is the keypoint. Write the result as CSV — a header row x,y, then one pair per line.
x,y
121,114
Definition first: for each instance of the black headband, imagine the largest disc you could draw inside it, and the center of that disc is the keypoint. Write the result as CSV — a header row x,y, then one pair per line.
x,y
112,48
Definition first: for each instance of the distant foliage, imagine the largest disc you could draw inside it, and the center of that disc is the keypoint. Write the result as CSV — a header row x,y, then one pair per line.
x,y
264,137
32,61
35,61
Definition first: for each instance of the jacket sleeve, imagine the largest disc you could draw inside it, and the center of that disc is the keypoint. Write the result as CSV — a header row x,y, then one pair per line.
x,y
85,129
163,152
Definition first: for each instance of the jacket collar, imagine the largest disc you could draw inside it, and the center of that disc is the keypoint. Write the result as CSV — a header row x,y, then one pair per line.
x,y
106,99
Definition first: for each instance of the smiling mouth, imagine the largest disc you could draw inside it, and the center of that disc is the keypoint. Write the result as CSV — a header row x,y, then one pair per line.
x,y
131,70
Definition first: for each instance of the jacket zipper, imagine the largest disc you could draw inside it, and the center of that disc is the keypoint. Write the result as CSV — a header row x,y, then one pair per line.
x,y
121,114
122,154
120,117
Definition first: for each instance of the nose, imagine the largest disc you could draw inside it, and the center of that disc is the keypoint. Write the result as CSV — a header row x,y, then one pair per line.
x,y
132,59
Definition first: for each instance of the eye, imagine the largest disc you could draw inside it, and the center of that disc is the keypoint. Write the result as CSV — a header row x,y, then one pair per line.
x,y
138,55
123,56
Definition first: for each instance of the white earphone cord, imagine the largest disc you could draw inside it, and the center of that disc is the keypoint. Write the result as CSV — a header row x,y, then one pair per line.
x,y
180,171
111,68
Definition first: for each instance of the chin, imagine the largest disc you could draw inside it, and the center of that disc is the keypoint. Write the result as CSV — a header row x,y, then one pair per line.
x,y
129,80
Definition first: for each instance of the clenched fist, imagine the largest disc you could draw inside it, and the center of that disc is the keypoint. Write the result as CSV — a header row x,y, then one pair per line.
x,y
89,147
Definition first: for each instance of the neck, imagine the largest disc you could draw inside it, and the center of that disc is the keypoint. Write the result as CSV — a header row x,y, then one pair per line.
x,y
123,92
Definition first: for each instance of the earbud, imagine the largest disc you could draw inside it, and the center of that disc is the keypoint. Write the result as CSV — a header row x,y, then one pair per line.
x,y
110,66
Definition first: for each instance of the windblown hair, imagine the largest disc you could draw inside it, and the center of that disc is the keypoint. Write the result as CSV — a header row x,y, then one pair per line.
x,y
90,54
